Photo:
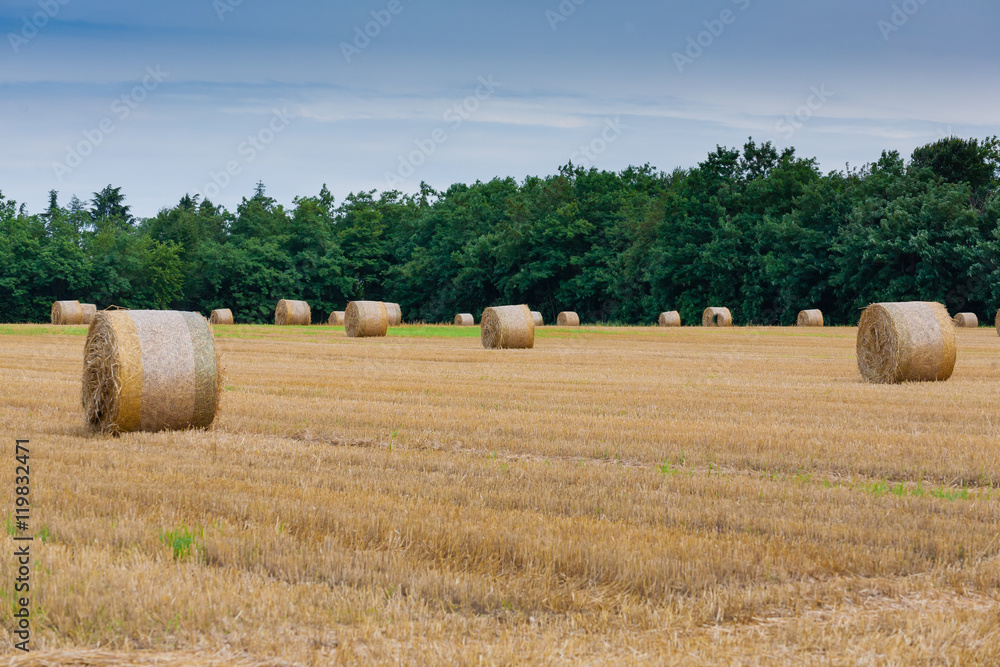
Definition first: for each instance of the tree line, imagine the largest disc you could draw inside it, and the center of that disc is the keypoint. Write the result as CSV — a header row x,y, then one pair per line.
x,y
756,229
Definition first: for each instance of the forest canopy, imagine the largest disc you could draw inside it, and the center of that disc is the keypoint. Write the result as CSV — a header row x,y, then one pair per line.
x,y
756,229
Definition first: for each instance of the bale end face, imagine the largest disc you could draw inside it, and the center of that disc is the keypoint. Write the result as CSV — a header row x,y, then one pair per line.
x,y
366,319
394,313
716,317
906,342
508,327
967,321
567,318
670,319
810,318
292,313
465,320
336,318
537,317
89,313
67,313
221,316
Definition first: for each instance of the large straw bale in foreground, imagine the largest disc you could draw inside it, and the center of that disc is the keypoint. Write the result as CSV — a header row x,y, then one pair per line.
x,y
366,319
537,317
810,318
967,321
395,314
716,317
906,342
221,316
465,320
336,318
670,319
290,312
67,312
567,318
150,370
508,327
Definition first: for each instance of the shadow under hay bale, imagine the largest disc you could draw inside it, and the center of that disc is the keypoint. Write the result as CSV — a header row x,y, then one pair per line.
x,y
336,318
567,318
150,370
394,313
538,319
221,316
366,319
810,318
906,342
67,312
966,321
670,319
465,320
716,317
507,327
292,313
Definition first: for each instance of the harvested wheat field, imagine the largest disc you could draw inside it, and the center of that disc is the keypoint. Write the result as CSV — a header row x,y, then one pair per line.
x,y
611,496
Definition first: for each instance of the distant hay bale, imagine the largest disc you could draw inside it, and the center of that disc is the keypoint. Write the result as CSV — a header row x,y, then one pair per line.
x,y
906,342
147,370
89,313
811,318
67,312
336,318
537,317
366,319
395,314
290,313
221,316
996,321
670,319
716,317
508,327
465,320
967,321
567,318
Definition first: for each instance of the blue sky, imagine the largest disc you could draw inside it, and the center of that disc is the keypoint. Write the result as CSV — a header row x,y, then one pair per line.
x,y
210,96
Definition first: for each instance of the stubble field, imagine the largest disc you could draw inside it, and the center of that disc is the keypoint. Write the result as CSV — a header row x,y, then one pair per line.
x,y
615,495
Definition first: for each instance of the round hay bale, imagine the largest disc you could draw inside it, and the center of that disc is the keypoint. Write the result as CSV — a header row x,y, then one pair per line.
x,y
810,318
967,321
465,320
670,319
366,319
89,313
336,318
567,318
716,317
221,316
290,313
508,327
395,314
906,342
67,312
150,370
996,321
537,317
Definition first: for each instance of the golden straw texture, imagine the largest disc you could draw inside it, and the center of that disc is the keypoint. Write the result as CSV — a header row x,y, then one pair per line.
x,y
967,321
67,312
336,318
716,317
465,320
221,316
150,370
906,342
567,318
537,317
290,312
670,319
810,318
366,319
394,313
507,327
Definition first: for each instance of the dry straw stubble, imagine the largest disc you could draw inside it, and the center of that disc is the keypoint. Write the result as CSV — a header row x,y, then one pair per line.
x,y
366,319
966,321
716,317
395,314
289,312
150,370
906,342
567,318
810,318
221,316
465,320
508,327
67,312
670,319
